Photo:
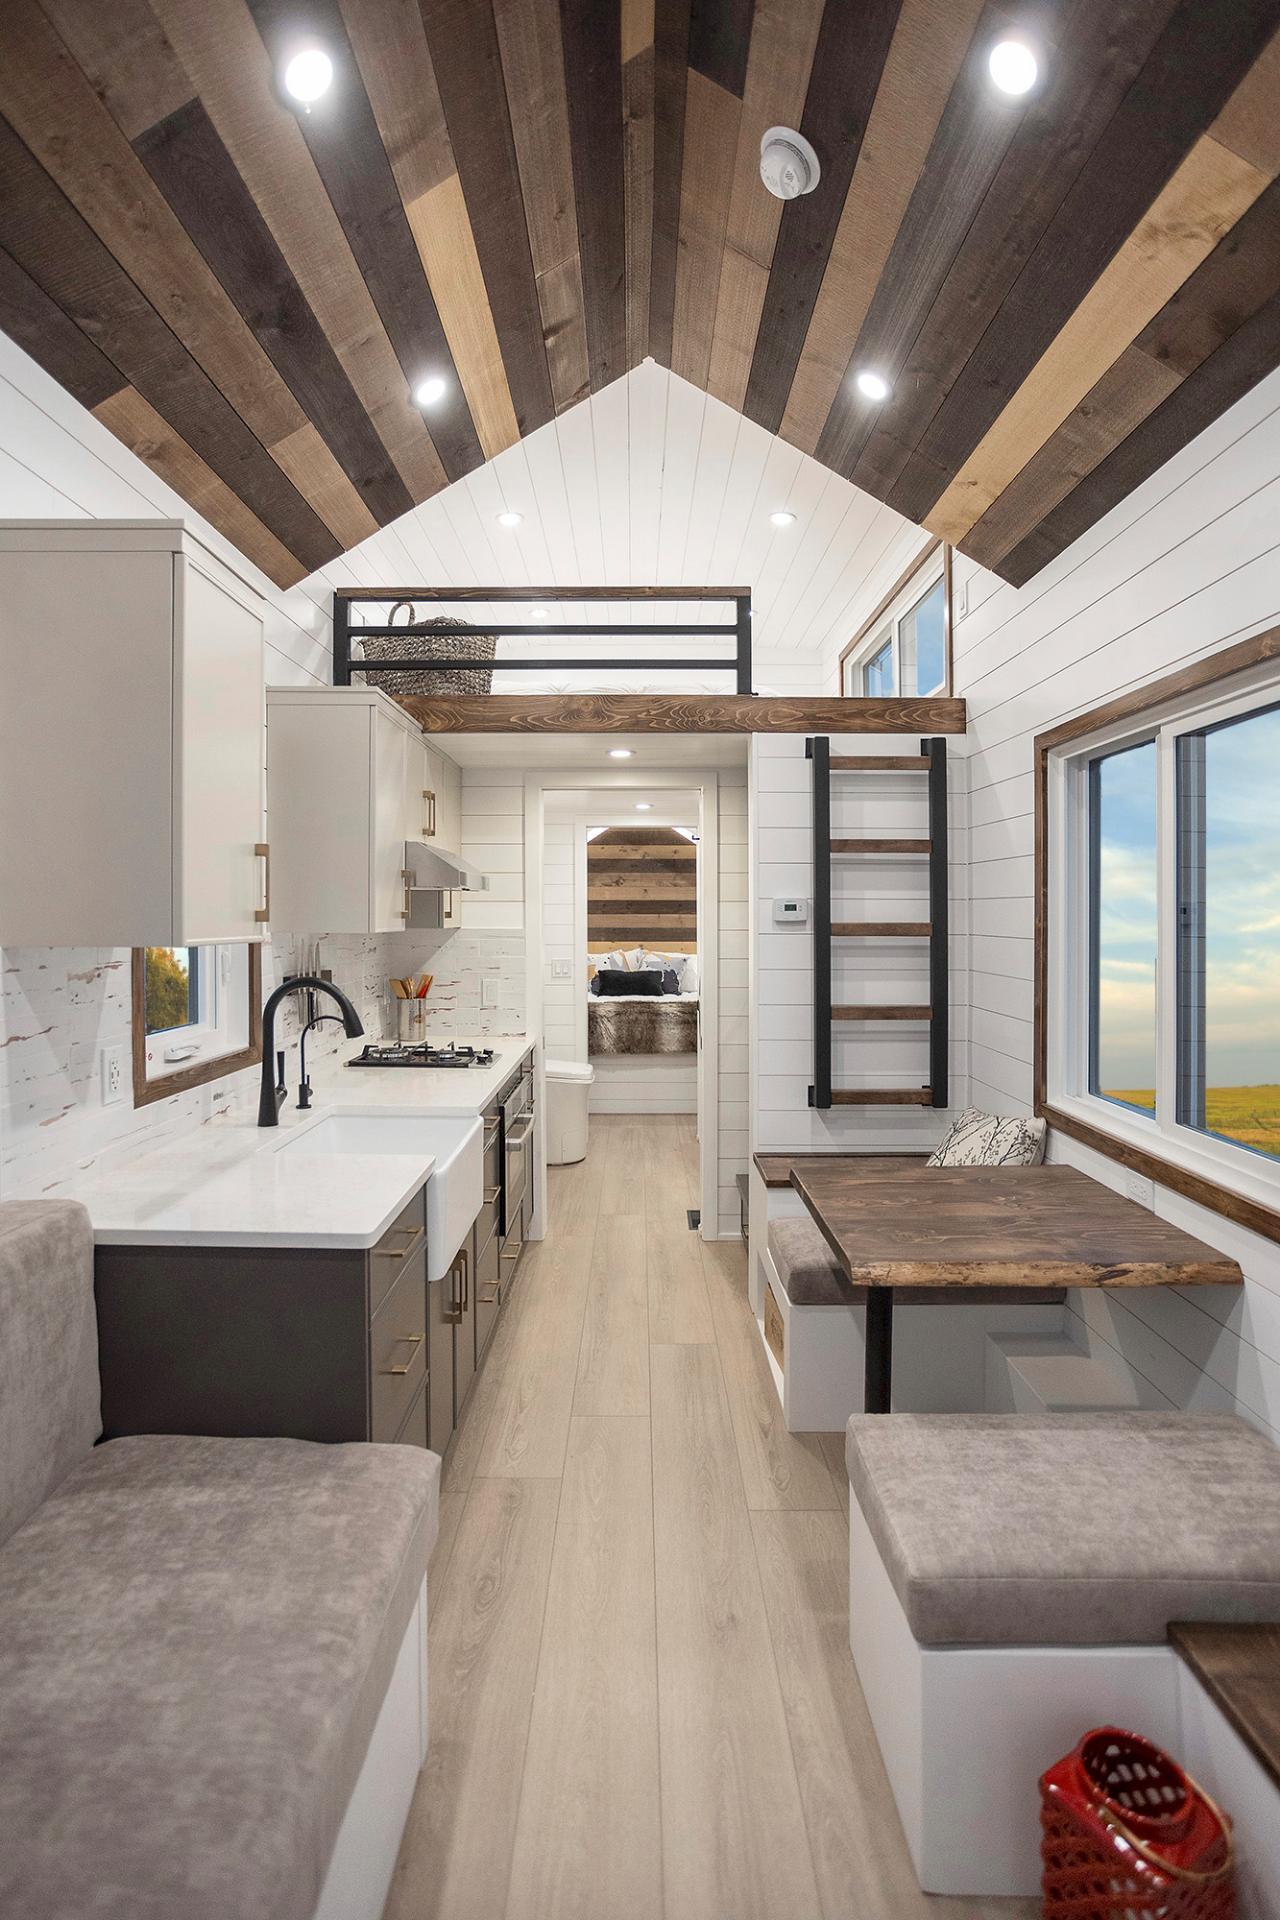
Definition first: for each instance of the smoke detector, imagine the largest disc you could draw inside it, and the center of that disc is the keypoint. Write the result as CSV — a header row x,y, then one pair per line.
x,y
788,164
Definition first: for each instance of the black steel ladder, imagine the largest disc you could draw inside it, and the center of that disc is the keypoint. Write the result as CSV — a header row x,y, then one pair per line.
x,y
931,764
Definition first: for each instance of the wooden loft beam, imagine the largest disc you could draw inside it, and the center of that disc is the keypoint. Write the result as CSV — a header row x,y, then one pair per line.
x,y
677,713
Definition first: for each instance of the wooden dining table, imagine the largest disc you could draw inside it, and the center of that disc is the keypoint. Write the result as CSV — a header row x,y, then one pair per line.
x,y
970,1228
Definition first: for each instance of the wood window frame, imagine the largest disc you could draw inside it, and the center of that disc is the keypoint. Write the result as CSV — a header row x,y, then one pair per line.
x,y
146,1091
1146,701
901,585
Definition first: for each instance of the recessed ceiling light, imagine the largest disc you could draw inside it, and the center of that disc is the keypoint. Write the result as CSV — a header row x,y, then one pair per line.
x,y
540,613
782,518
510,519
428,391
1013,66
308,75
620,753
644,806
872,386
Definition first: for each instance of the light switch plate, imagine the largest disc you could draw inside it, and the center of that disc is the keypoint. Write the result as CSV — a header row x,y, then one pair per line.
x,y
111,1069
560,970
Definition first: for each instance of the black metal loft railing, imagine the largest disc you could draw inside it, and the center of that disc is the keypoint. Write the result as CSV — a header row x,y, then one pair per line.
x,y
347,627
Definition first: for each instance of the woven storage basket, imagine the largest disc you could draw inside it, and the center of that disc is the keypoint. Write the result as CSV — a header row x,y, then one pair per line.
x,y
471,645
1128,1836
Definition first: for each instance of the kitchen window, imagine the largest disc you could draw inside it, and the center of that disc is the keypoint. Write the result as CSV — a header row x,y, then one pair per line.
x,y
1158,943
196,1016
905,647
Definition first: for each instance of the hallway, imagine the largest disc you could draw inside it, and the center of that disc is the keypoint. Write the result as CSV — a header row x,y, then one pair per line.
x,y
642,1700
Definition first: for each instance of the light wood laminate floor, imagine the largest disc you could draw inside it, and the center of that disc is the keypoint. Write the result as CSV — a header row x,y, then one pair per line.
x,y
642,1701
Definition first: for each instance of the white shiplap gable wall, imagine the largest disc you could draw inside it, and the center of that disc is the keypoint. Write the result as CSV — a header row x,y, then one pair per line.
x,y
651,482
1189,563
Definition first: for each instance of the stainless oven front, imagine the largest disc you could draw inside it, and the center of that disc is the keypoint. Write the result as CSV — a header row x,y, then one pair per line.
x,y
517,1147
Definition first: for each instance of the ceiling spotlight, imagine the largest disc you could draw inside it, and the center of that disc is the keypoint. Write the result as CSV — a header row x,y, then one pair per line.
x,y
428,391
644,806
620,753
308,75
872,386
540,613
782,518
1013,66
509,518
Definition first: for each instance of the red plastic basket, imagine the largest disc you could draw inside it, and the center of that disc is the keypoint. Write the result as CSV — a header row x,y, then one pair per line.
x,y
1128,1836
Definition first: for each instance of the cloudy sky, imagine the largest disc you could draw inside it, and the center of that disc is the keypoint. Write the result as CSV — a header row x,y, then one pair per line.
x,y
1243,916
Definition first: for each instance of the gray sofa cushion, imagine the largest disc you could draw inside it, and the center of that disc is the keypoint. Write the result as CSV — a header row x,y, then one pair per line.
x,y
195,1637
1085,1529
50,1413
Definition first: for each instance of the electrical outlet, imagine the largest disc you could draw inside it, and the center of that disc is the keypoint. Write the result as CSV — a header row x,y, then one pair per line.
x,y
489,992
111,1074
1140,1189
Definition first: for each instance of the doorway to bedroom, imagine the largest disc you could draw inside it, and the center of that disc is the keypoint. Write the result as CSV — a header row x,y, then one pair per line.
x,y
625,953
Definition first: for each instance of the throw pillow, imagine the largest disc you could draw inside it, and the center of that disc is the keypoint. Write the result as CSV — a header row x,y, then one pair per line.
x,y
979,1139
616,980
670,980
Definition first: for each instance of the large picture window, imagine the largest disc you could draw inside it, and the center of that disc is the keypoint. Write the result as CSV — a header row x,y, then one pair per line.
x,y
1158,938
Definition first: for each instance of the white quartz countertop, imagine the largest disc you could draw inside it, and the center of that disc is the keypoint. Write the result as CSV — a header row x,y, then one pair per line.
x,y
235,1184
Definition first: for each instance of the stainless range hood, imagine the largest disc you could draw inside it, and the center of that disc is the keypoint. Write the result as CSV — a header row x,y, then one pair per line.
x,y
434,870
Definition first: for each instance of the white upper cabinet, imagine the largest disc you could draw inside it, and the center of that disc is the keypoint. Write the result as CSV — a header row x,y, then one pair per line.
x,y
131,742
346,773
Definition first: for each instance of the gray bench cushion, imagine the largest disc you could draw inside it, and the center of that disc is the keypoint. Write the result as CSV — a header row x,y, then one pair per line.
x,y
195,1637
49,1403
1086,1529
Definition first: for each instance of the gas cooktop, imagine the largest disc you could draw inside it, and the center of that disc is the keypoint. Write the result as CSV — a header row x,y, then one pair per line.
x,y
422,1055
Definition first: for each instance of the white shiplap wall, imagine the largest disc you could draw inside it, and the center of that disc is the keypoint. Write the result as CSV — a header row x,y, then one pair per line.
x,y
735,993
1187,564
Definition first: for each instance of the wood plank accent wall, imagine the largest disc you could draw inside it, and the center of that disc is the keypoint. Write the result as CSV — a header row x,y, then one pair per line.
x,y
642,890
527,197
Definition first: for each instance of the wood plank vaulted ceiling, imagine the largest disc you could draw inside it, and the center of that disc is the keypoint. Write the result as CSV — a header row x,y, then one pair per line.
x,y
530,196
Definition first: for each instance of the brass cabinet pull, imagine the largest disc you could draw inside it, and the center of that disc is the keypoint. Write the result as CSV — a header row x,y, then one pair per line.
x,y
504,1255
402,1340
487,1299
406,876
416,1237
429,829
456,1306
262,851
491,1194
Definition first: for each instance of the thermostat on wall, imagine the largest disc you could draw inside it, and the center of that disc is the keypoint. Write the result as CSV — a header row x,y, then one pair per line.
x,y
791,913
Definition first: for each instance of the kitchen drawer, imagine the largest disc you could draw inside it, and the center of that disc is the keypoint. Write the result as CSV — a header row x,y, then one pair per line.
x,y
414,1431
396,1250
398,1351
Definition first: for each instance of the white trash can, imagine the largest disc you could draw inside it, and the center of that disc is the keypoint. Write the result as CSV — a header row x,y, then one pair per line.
x,y
568,1091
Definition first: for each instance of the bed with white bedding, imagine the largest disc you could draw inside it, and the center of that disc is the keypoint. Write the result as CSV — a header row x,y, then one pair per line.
x,y
644,1023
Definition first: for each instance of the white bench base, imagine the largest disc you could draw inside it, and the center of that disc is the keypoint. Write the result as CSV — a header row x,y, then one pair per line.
x,y
966,1732
939,1353
364,1854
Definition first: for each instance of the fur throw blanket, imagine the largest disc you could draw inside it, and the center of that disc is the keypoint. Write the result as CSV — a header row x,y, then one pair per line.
x,y
642,1026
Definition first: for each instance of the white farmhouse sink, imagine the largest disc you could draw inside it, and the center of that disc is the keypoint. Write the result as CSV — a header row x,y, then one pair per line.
x,y
455,1187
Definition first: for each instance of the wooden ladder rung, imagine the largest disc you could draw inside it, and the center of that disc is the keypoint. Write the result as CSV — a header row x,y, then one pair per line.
x,y
880,929
882,1097
880,763
881,1013
881,846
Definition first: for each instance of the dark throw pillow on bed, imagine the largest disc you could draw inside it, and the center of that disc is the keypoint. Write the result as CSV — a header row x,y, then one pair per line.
x,y
614,981
670,980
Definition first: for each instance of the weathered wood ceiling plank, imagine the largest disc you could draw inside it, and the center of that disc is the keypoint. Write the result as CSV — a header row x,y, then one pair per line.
x,y
670,85
390,46
779,64
221,49
847,66
534,70
592,40
59,250
350,158
464,48
1194,67
528,197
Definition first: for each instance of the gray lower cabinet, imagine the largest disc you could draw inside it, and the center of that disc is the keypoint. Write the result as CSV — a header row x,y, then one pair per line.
x,y
440,1411
309,1345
